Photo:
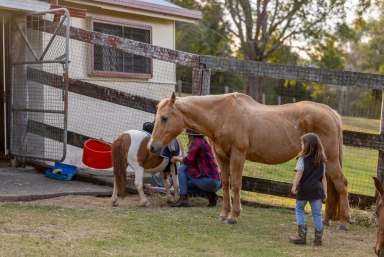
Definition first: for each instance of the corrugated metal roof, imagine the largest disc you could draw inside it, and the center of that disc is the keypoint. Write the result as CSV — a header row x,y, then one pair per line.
x,y
24,5
155,6
162,2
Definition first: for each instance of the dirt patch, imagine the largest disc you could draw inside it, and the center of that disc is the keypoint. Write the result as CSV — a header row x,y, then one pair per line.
x,y
90,202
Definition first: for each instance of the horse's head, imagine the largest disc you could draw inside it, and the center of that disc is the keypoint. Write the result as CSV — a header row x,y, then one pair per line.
x,y
379,247
169,123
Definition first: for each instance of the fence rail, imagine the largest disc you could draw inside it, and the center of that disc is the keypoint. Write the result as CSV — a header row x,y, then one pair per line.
x,y
200,83
295,72
124,44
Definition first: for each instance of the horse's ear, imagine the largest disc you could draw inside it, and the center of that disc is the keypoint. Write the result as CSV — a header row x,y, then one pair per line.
x,y
173,98
378,186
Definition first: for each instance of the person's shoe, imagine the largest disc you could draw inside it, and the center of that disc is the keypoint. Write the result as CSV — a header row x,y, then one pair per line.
x,y
212,198
318,238
182,202
301,237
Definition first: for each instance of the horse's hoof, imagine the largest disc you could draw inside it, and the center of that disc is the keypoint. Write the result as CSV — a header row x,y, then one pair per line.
x,y
145,204
343,227
230,221
115,204
171,200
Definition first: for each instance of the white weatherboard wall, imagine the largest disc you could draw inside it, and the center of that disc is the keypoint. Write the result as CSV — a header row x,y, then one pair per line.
x,y
106,120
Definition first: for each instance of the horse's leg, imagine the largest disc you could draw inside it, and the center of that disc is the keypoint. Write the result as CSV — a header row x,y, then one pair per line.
x,y
224,167
139,174
167,186
175,180
332,202
340,183
236,170
114,198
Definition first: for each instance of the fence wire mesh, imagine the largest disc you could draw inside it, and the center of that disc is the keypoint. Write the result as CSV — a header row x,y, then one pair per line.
x,y
33,102
359,109
155,79
108,67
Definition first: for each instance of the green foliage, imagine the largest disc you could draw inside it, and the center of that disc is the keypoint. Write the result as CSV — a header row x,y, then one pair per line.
x,y
208,37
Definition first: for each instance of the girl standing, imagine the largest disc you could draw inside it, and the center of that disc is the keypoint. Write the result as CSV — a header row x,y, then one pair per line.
x,y
310,185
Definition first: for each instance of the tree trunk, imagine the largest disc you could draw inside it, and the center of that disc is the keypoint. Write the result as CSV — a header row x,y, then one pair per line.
x,y
254,87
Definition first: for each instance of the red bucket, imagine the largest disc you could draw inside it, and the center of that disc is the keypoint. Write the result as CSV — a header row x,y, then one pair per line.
x,y
97,154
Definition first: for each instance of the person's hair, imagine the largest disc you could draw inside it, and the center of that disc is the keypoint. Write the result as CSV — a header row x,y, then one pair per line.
x,y
312,146
191,137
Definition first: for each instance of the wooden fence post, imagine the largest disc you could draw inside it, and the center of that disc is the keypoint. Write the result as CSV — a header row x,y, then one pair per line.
x,y
226,89
206,82
201,81
380,163
197,77
263,98
179,87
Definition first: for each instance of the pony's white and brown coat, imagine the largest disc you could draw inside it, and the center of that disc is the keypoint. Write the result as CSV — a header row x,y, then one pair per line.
x,y
131,149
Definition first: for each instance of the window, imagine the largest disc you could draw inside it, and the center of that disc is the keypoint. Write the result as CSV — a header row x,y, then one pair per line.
x,y
113,62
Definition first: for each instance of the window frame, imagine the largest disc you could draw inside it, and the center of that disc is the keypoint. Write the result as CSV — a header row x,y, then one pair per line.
x,y
118,74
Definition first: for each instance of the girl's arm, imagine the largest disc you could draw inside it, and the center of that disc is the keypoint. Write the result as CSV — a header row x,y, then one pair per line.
x,y
191,156
298,176
324,181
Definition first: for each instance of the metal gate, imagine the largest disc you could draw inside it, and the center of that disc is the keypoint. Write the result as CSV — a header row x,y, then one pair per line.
x,y
39,87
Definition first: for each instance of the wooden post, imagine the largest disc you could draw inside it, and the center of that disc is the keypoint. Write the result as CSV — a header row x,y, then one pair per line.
x,y
263,100
196,80
179,87
201,81
226,89
278,100
380,164
294,100
206,82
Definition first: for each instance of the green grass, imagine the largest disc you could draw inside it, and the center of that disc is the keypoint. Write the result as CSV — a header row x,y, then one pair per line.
x,y
361,124
359,167
37,230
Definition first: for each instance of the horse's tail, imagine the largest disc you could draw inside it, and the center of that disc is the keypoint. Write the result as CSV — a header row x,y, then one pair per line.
x,y
120,162
340,134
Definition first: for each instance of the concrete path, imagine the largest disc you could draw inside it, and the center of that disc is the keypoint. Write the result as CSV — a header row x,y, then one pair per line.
x,y
17,184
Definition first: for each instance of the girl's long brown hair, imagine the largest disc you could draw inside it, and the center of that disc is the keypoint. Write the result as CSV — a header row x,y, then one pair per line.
x,y
312,146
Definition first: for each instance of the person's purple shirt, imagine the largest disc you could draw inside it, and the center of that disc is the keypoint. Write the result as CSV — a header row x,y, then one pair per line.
x,y
200,161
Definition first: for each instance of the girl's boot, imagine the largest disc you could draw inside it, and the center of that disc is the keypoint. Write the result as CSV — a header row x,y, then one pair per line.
x,y
301,237
318,238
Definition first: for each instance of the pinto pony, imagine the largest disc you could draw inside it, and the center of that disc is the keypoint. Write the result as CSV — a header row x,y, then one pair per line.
x,y
240,129
131,149
379,246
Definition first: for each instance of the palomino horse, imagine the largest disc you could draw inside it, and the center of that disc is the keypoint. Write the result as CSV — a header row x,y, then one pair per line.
x,y
241,129
131,148
379,247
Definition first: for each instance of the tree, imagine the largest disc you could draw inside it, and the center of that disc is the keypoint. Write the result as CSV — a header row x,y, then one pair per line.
x,y
263,26
208,37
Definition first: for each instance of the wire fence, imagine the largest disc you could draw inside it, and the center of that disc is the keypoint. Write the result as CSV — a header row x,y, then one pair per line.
x,y
112,68
141,77
360,111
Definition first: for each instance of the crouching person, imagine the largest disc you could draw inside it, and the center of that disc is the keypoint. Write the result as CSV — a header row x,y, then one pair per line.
x,y
198,172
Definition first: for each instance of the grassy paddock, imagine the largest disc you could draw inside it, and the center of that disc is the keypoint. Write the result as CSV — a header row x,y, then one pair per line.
x,y
87,226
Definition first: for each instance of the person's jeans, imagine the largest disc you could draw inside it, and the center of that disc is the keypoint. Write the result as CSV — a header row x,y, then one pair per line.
x,y
188,184
316,206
